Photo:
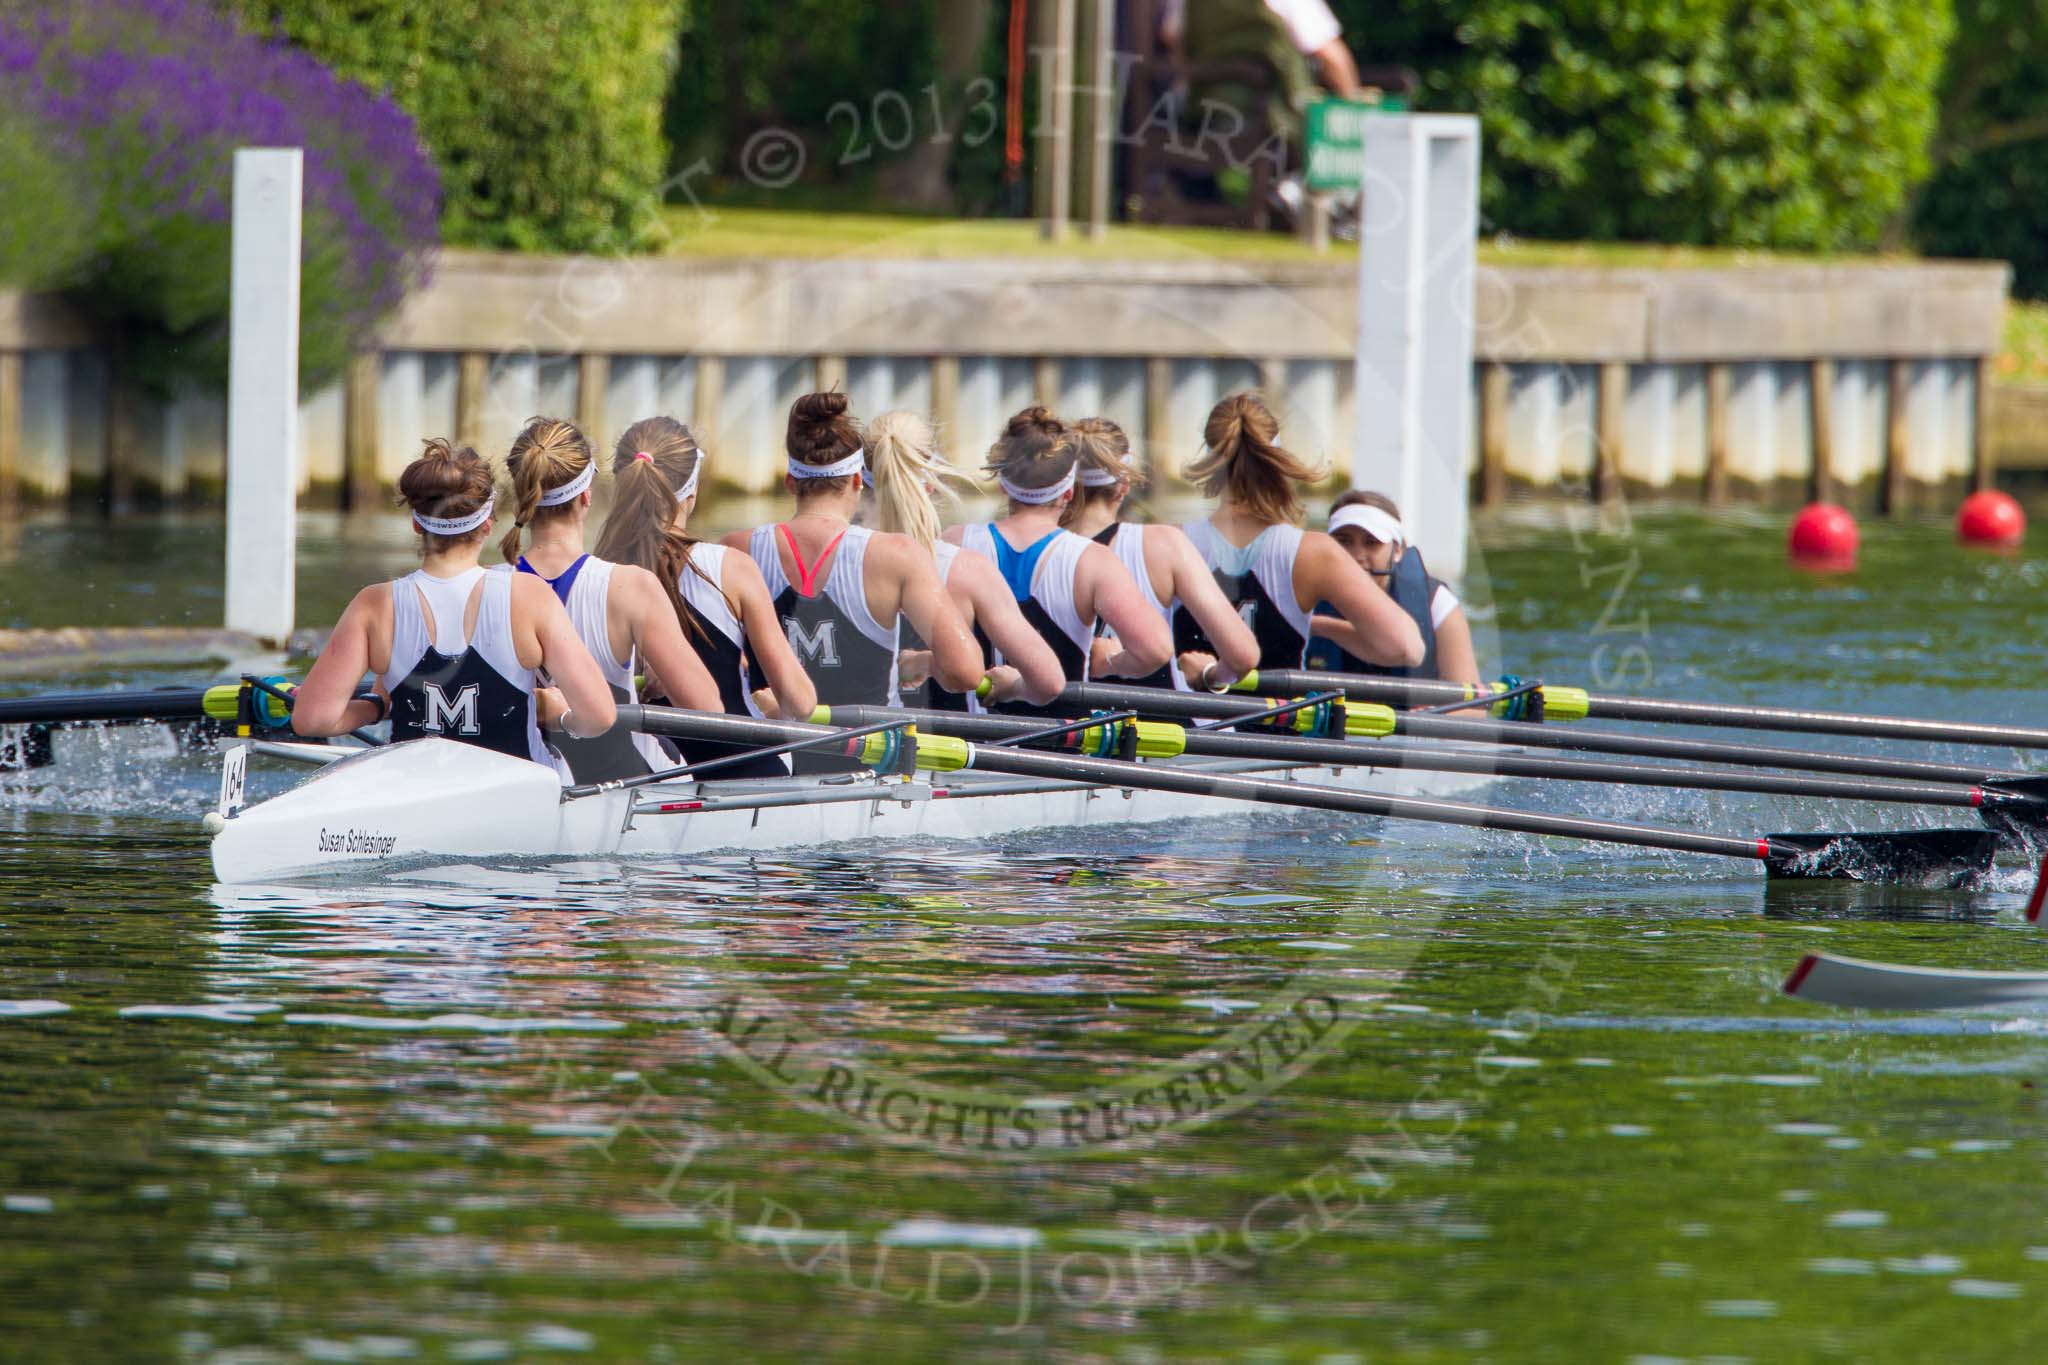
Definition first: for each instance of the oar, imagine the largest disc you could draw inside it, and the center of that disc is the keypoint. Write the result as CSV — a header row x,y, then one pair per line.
x,y
1571,703
1156,701
163,703
1826,979
1944,856
1215,743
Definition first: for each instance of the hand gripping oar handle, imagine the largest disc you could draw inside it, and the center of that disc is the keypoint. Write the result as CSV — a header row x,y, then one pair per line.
x,y
1863,857
1419,692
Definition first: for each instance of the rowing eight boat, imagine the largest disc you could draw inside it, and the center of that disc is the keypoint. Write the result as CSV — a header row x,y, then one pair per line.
x,y
437,802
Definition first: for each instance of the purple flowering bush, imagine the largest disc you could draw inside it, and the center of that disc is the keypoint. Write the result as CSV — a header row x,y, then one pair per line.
x,y
135,108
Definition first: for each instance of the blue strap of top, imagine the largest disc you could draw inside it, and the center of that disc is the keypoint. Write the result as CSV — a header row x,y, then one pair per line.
x,y
562,585
1018,566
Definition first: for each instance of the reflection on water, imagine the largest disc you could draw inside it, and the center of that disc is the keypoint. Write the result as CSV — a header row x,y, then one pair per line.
x,y
527,1114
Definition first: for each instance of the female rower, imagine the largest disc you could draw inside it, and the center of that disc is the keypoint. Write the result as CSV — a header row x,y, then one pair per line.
x,y
1167,567
1271,570
619,610
1369,527
718,596
841,589
455,648
910,475
1063,583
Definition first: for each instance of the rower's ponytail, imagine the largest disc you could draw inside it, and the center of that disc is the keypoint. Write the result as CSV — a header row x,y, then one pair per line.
x,y
1036,450
911,476
654,460
1245,462
547,454
448,483
1105,451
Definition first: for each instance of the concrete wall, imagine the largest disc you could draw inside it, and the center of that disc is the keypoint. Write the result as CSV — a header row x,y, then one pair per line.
x,y
1753,381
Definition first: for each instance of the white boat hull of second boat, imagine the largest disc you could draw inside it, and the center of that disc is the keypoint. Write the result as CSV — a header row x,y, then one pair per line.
x,y
439,802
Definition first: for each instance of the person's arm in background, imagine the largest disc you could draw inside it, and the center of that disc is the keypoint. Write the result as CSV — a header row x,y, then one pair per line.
x,y
1337,69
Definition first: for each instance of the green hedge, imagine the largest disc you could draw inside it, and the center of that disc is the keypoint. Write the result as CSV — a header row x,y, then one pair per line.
x,y
1989,193
850,80
545,118
1781,123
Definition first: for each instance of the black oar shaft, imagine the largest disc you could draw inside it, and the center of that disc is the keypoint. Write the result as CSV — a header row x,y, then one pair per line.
x,y
1196,782
169,703
1081,696
1419,692
1492,762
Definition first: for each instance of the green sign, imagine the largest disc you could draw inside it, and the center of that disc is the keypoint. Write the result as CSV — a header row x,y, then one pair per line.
x,y
1336,141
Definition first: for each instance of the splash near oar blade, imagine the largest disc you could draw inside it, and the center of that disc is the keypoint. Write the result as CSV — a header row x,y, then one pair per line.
x,y
1934,858
1824,979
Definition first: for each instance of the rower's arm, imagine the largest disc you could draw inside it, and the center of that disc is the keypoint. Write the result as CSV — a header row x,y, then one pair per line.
x,y
1323,572
592,709
1144,640
1237,649
659,637
795,695
956,658
995,611
323,705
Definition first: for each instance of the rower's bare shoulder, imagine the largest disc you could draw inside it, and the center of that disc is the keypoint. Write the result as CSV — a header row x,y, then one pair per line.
x,y
371,604
531,593
897,552
639,585
1167,545
740,574
741,540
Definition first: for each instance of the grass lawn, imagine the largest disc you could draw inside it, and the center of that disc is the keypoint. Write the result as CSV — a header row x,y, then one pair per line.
x,y
2025,357
729,231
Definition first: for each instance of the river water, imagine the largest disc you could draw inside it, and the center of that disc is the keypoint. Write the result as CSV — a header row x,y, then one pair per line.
x,y
1290,1089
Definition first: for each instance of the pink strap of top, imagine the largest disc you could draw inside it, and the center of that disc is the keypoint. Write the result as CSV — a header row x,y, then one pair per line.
x,y
807,575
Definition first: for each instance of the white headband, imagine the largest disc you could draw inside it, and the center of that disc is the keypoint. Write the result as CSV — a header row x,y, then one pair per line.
x,y
856,463
457,526
572,490
689,488
1038,497
1100,478
1376,522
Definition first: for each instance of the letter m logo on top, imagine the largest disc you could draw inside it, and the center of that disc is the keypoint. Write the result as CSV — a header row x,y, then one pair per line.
x,y
818,646
460,715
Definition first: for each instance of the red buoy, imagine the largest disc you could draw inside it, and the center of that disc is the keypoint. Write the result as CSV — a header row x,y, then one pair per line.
x,y
1824,536
1991,518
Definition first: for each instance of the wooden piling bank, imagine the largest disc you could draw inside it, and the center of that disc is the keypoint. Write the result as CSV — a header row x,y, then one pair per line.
x,y
1861,381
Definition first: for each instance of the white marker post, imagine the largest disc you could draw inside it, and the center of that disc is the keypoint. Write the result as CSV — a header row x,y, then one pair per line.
x,y
1417,254
263,392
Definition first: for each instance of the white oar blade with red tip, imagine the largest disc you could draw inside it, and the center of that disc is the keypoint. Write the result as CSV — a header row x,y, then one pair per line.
x,y
1824,979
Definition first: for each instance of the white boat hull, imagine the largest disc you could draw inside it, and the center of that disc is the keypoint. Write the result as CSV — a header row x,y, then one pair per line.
x,y
434,802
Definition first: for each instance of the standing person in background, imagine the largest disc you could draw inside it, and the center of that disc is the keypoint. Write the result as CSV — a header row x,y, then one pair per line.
x,y
842,589
718,597
1224,29
1369,527
1164,563
618,610
910,476
455,648
1271,570
1062,583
